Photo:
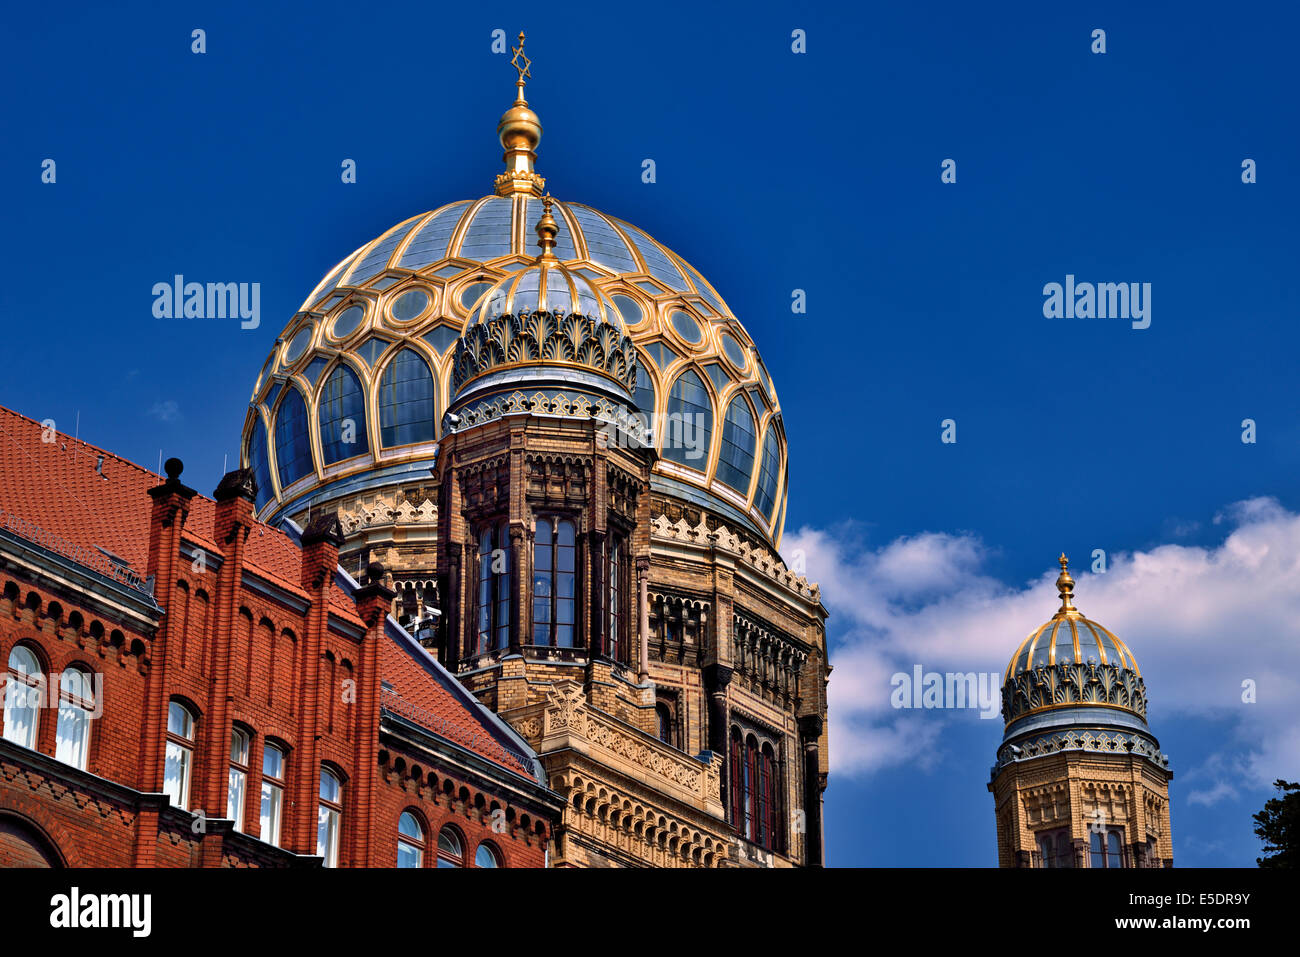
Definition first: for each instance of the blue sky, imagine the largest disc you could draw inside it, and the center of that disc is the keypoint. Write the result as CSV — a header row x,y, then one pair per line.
x,y
776,171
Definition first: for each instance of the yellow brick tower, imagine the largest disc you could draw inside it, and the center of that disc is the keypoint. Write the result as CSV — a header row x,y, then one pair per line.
x,y
1080,780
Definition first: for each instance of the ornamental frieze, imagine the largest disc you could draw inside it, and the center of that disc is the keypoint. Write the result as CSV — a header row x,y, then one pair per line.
x,y
543,336
1066,683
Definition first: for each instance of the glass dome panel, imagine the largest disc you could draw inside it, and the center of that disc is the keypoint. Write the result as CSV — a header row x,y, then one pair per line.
x,y
765,497
406,401
297,345
687,328
688,426
341,412
410,305
347,321
292,439
630,308
258,462
736,457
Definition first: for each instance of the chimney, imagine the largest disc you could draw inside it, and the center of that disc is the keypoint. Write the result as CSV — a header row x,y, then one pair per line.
x,y
320,550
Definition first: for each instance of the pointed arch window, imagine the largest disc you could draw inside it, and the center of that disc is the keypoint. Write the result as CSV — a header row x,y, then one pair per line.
x,y
292,440
342,415
406,401
688,425
554,581
257,461
769,472
736,458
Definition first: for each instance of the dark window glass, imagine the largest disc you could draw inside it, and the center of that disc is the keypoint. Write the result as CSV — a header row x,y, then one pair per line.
x,y
645,393
688,427
736,458
614,585
492,595
257,461
765,497
406,401
342,416
554,582
292,441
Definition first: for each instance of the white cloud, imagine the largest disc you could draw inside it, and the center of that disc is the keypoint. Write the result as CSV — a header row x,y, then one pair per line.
x,y
168,410
1201,620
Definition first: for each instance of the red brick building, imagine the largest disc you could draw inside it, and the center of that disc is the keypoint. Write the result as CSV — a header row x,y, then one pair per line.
x,y
186,686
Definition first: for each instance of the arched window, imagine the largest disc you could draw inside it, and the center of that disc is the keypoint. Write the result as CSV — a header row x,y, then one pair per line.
x,y
768,473
451,850
342,414
492,595
554,581
1106,847
487,856
76,707
736,458
237,786
406,401
1054,848
257,461
410,841
688,425
292,439
23,693
329,817
179,763
755,791
272,792
616,588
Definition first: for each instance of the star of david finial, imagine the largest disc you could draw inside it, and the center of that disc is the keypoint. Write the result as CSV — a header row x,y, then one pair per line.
x,y
520,61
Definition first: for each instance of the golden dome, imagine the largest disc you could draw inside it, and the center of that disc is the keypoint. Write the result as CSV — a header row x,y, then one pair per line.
x,y
1071,661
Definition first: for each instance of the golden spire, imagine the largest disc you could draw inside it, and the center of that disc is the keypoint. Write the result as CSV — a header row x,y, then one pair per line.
x,y
520,131
547,229
1065,585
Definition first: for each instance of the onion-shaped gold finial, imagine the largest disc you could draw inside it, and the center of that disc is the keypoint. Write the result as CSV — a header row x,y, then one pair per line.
x,y
547,228
520,131
1065,585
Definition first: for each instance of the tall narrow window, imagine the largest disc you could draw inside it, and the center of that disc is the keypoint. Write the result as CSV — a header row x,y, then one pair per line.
x,y
665,721
554,578
492,595
76,704
272,792
614,585
22,697
410,841
755,796
180,754
238,780
329,818
737,780
451,851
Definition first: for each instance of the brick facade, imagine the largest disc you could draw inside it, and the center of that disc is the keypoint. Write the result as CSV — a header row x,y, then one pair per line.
x,y
249,628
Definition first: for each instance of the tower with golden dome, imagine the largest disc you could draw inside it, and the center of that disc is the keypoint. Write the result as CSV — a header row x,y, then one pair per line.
x,y
1080,780
565,448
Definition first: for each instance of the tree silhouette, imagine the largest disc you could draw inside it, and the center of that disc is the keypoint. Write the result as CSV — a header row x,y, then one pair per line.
x,y
1279,827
